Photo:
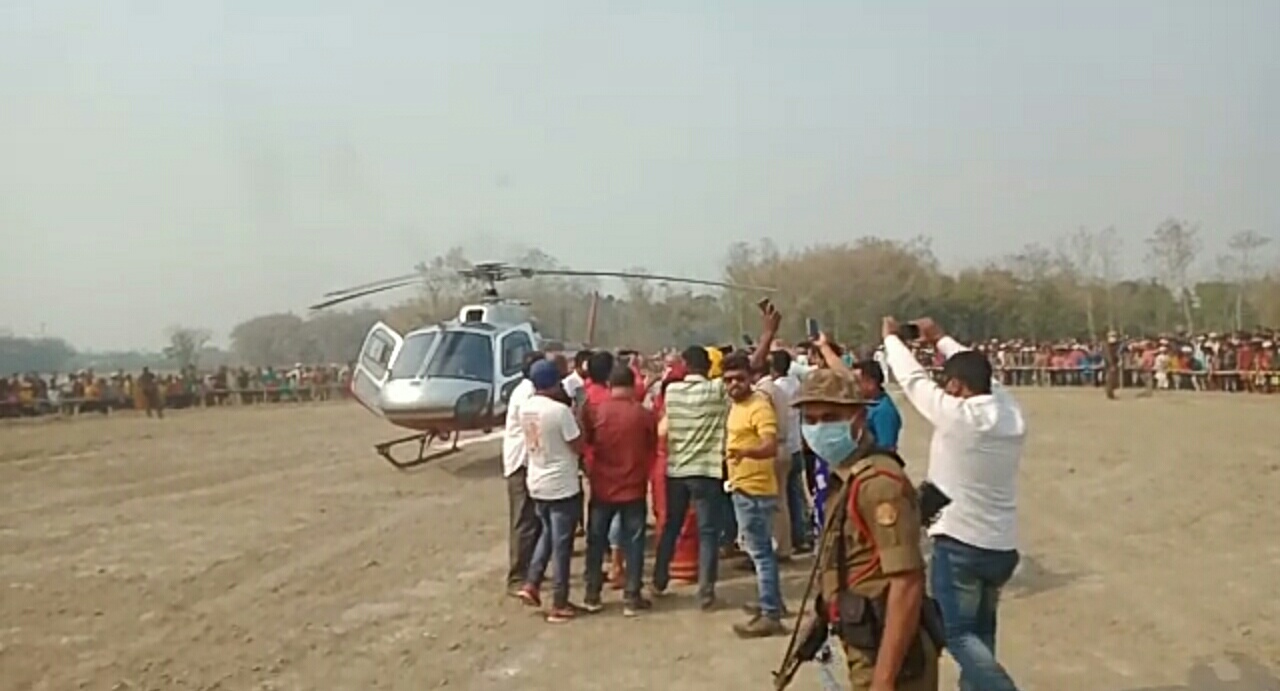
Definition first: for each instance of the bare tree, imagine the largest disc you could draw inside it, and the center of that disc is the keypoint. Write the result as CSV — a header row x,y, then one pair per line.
x,y
1081,255
1246,245
1171,251
1107,245
185,345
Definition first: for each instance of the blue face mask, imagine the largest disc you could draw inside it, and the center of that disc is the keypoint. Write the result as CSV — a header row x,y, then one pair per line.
x,y
832,441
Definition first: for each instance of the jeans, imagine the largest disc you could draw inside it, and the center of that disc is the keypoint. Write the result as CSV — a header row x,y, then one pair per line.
x,y
966,582
755,518
615,529
783,540
728,519
559,521
630,518
797,502
706,494
525,528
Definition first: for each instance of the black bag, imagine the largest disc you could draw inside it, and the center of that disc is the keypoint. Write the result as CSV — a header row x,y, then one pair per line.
x,y
861,627
858,625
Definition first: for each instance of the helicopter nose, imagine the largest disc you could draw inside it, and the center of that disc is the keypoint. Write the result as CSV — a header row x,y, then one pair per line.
x,y
428,400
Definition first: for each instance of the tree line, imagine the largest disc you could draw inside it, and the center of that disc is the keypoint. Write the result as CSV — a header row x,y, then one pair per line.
x,y
1075,287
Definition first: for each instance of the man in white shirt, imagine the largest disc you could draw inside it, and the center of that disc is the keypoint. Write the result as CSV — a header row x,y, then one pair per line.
x,y
576,383
978,436
797,499
525,528
783,537
553,444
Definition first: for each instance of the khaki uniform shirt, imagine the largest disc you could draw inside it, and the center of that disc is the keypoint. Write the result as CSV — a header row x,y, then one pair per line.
x,y
881,534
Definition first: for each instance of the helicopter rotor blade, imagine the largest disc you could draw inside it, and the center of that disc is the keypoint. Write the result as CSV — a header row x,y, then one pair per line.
x,y
374,284
346,297
524,272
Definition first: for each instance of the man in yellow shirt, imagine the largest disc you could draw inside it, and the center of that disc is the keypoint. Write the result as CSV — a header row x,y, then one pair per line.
x,y
751,444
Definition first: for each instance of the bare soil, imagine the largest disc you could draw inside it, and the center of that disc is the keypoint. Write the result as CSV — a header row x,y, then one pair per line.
x,y
268,548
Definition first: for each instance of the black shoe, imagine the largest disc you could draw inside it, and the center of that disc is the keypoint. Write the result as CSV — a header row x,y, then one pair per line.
x,y
633,606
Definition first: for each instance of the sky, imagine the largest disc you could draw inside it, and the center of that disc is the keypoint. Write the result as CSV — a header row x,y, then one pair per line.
x,y
198,163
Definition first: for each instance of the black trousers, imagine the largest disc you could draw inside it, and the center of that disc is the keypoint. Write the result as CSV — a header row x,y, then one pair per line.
x,y
525,528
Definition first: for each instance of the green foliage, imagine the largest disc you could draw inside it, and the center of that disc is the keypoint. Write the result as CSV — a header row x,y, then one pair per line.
x,y
22,355
1072,291
280,339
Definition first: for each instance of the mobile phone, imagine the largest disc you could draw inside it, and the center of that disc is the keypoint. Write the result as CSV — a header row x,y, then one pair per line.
x,y
909,332
811,327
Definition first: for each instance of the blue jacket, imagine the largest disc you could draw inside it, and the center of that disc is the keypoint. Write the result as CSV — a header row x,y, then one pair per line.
x,y
884,421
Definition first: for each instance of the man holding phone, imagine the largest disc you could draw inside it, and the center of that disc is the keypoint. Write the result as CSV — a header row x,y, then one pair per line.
x,y
978,437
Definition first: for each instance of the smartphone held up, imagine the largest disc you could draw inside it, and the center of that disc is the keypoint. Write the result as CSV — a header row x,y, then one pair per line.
x,y
811,328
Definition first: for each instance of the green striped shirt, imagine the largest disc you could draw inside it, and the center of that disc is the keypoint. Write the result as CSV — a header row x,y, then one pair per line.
x,y
696,409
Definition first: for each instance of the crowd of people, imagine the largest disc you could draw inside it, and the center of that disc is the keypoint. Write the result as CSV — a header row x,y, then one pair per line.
x,y
33,394
754,457
1239,362
1242,362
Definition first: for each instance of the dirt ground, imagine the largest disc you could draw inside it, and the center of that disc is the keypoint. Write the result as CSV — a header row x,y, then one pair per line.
x,y
268,548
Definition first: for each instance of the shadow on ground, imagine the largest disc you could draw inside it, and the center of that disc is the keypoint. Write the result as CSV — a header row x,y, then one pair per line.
x,y
473,467
1237,673
1033,578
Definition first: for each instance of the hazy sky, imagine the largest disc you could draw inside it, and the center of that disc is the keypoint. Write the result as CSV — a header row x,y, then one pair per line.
x,y
173,161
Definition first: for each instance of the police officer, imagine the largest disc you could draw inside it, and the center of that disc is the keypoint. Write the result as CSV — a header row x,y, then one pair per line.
x,y
871,572
1111,363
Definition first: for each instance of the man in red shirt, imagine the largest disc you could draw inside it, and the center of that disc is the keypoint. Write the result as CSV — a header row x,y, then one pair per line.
x,y
622,438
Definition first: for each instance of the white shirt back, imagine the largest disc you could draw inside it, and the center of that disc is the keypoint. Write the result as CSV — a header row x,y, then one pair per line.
x,y
790,386
974,454
548,427
513,448
575,386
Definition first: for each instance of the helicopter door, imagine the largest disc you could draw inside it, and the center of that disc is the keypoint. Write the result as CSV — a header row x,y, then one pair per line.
x,y
510,355
373,367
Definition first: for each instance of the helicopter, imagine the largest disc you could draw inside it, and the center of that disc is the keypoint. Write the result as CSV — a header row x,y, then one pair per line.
x,y
455,376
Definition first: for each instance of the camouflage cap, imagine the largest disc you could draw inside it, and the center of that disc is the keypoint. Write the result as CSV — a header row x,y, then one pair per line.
x,y
829,386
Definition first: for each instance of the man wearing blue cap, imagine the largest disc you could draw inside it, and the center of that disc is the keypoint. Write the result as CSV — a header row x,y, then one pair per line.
x,y
554,444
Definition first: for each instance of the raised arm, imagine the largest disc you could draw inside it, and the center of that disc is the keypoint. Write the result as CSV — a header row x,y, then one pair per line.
x,y
948,346
925,395
772,319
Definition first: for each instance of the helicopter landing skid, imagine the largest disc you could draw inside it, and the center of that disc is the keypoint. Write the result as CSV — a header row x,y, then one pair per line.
x,y
424,440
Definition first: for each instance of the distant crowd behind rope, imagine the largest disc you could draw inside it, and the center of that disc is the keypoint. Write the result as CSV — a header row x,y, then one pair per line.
x,y
1241,362
88,391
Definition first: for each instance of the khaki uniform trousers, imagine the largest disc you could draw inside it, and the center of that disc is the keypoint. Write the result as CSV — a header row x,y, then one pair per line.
x,y
861,668
782,520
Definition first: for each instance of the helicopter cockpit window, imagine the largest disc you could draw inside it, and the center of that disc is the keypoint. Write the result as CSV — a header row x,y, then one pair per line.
x,y
413,355
463,355
515,346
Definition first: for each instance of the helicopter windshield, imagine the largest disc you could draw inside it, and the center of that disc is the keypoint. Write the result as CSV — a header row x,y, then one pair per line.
x,y
412,355
463,355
